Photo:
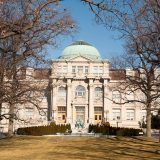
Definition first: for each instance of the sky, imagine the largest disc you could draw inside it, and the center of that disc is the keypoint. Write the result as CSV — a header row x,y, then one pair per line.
x,y
106,41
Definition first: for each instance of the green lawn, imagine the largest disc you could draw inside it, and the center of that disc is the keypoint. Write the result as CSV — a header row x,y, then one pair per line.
x,y
78,148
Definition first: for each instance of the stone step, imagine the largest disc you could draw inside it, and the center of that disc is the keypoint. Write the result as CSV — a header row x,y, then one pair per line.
x,y
80,130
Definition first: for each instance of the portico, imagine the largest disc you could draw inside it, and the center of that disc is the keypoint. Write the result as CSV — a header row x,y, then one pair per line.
x,y
78,80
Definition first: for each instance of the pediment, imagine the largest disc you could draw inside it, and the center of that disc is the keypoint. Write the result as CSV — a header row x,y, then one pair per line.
x,y
80,58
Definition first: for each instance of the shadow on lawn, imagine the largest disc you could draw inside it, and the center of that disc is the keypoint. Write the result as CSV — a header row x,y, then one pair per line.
x,y
68,148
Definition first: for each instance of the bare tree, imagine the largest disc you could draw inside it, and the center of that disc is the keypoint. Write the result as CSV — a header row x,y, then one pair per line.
x,y
26,28
138,22
134,19
141,85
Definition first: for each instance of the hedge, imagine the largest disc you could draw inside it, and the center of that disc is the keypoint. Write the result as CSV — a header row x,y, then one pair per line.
x,y
108,130
44,130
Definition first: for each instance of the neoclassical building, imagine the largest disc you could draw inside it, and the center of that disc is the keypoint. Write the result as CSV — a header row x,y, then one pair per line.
x,y
82,89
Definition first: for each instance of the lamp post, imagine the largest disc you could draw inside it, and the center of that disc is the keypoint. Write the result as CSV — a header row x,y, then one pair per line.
x,y
118,118
1,130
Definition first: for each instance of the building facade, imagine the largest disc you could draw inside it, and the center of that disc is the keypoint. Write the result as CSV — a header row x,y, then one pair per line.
x,y
81,90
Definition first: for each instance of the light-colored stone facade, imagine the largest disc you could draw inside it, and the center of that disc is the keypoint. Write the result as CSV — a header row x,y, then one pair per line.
x,y
95,105
82,89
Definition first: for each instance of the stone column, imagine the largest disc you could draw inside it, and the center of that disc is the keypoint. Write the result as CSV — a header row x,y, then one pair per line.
x,y
106,101
91,107
69,110
54,99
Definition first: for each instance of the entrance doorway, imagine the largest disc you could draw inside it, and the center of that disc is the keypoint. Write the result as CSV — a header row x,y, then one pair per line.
x,y
80,116
97,115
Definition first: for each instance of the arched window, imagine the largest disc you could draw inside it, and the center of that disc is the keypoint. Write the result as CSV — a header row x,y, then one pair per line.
x,y
116,96
62,92
98,92
80,91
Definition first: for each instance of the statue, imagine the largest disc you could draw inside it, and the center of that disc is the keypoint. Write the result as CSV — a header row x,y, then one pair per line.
x,y
79,124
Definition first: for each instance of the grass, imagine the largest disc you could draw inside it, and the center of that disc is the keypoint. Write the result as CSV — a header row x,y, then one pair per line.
x,y
78,148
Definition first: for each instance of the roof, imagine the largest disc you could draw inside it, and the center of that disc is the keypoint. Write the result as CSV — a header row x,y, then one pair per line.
x,y
117,74
80,48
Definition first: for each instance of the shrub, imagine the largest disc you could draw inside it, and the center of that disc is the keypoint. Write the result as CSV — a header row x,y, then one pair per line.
x,y
109,130
44,130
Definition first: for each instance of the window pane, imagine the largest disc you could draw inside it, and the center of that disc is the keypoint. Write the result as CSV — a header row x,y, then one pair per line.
x,y
116,114
61,109
98,110
116,96
95,69
61,91
98,92
80,91
64,69
60,69
100,69
130,114
86,69
73,69
80,69
29,112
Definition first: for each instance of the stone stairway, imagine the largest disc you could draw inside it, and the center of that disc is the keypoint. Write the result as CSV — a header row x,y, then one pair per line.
x,y
79,130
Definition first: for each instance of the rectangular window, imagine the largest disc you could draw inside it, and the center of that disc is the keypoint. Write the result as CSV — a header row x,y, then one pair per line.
x,y
73,69
95,117
64,69
29,112
116,96
80,69
101,69
61,109
95,69
98,110
116,114
61,114
59,69
86,69
130,114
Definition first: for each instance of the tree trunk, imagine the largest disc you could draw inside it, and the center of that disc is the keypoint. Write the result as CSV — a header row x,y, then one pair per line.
x,y
0,111
148,121
11,121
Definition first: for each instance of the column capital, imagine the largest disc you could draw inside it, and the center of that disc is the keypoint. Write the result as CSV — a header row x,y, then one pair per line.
x,y
54,85
69,83
91,85
105,85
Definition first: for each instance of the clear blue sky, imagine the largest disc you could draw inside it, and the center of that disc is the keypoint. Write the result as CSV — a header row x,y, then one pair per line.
x,y
105,41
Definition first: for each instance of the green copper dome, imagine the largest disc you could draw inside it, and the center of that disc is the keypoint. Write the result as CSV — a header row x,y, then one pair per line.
x,y
80,48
